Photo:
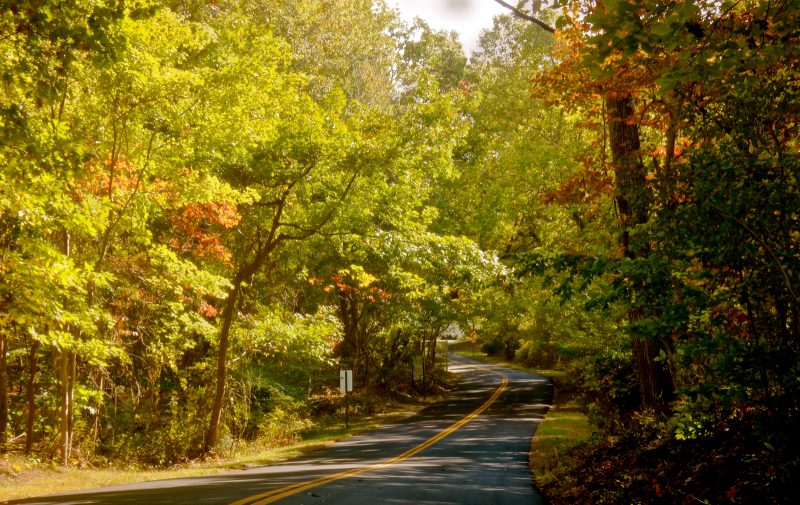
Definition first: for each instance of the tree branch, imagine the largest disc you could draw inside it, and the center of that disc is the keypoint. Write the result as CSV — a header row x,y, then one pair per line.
x,y
786,279
315,229
527,17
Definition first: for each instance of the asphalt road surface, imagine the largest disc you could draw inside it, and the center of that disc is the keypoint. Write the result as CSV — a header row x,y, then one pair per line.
x,y
469,449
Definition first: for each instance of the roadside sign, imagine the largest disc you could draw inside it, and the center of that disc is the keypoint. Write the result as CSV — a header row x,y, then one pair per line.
x,y
346,381
346,386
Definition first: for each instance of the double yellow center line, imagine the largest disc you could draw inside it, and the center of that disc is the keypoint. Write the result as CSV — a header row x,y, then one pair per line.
x,y
292,489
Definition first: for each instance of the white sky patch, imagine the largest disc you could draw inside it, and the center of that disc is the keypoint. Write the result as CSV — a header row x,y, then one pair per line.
x,y
467,17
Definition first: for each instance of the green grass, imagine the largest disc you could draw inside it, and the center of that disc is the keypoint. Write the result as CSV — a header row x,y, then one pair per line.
x,y
22,477
562,428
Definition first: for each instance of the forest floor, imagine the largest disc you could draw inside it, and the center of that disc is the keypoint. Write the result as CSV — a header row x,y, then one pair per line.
x,y
22,477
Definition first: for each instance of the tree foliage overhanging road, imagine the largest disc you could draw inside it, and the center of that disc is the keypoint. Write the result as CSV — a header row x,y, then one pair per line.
x,y
207,207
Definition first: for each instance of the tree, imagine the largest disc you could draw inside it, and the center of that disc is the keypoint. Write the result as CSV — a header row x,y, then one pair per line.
x,y
292,158
694,88
437,54
498,198
632,195
340,44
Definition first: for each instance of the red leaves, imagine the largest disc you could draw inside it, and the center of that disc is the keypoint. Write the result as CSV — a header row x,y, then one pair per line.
x,y
221,213
197,228
583,187
657,488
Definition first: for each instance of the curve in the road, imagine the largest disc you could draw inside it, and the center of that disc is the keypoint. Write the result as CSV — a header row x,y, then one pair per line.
x,y
286,491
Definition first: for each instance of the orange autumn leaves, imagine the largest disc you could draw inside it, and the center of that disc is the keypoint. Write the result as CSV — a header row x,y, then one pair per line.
x,y
197,229
361,286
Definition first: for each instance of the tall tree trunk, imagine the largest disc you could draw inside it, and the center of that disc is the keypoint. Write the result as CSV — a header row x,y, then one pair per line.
x,y
66,381
3,392
432,350
272,239
72,371
33,369
228,313
632,198
423,360
97,414
64,396
67,360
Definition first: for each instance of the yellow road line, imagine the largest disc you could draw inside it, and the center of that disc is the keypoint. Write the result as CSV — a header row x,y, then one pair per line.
x,y
292,489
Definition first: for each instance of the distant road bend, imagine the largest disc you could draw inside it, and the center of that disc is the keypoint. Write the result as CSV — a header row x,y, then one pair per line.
x,y
469,449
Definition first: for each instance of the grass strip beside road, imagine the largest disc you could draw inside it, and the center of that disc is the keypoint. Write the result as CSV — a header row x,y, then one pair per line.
x,y
563,428
22,477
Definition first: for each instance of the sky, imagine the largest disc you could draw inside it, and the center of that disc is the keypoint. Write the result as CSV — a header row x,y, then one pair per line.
x,y
467,17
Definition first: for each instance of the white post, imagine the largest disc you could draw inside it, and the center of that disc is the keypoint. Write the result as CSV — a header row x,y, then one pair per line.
x,y
346,386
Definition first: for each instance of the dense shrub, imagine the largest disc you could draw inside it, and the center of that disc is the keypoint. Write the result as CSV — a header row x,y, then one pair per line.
x,y
644,464
611,390
533,353
539,354
281,427
505,345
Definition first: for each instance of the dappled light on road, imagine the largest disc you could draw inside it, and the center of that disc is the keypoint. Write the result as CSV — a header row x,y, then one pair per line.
x,y
483,461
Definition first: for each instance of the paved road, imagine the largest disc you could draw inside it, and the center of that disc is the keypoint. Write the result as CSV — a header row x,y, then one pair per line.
x,y
469,449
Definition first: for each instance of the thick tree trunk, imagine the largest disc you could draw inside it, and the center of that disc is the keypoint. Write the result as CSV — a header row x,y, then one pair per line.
x,y
630,191
633,199
644,353
33,369
3,393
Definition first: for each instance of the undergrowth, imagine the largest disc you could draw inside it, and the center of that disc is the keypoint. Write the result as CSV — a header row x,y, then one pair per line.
x,y
284,436
646,463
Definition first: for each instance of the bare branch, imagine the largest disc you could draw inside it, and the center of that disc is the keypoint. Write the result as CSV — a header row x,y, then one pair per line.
x,y
527,17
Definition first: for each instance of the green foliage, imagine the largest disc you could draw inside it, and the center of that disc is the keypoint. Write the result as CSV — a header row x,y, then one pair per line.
x,y
548,355
169,173
710,279
611,390
432,53
281,427
258,192
505,345
692,420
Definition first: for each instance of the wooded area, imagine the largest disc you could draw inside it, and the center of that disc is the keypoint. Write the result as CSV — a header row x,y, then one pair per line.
x,y
208,208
